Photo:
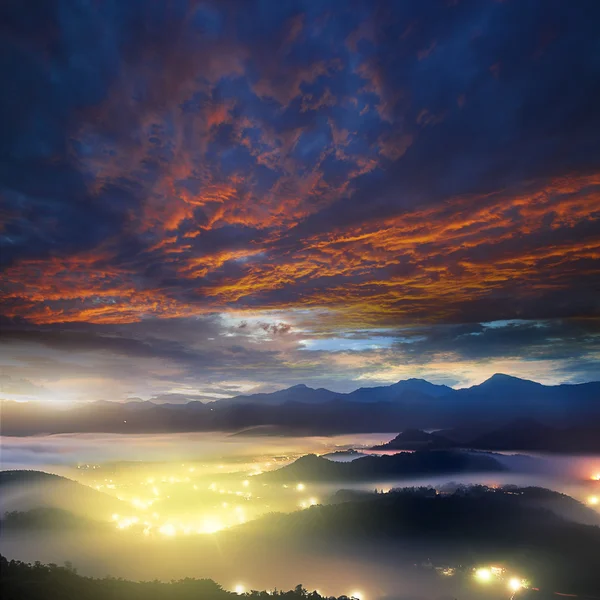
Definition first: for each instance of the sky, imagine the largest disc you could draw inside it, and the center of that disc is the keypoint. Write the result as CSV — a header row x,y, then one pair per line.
x,y
202,199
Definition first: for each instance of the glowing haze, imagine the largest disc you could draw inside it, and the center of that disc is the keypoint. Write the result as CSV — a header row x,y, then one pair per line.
x,y
201,199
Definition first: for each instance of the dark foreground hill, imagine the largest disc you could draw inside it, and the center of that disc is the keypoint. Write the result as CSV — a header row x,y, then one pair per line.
x,y
373,468
23,581
468,527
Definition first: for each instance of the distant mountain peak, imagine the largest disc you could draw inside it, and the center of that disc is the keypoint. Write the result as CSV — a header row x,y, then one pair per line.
x,y
503,378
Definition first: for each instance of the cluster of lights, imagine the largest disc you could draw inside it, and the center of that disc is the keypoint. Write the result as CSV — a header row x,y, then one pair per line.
x,y
498,574
309,502
208,524
156,489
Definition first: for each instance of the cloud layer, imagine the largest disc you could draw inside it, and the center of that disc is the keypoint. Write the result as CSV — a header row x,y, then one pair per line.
x,y
253,193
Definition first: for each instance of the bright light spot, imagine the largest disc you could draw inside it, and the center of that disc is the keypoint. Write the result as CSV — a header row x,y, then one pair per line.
x,y
126,522
595,477
191,469
484,575
593,500
245,483
168,529
313,501
151,480
115,517
155,491
515,584
358,595
212,487
240,589
195,487
300,487
211,525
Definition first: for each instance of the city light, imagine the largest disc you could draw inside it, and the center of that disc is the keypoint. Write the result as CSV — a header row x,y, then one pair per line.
x,y
484,575
515,584
211,525
593,500
168,530
240,589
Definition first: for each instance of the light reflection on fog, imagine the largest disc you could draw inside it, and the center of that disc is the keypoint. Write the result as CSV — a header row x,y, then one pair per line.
x,y
202,483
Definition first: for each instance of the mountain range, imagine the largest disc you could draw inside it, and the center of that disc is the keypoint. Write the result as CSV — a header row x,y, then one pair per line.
x,y
520,434
301,410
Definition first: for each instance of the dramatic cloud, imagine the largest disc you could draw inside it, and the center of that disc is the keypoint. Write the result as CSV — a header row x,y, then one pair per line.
x,y
206,198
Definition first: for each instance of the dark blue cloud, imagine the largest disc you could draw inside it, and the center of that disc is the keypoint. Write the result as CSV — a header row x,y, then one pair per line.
x,y
399,162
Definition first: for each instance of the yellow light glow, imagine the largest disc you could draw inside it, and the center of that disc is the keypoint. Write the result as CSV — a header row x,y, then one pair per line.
x,y
357,594
155,491
484,575
595,477
240,589
593,500
211,525
115,517
515,584
245,483
191,469
300,487
313,501
168,529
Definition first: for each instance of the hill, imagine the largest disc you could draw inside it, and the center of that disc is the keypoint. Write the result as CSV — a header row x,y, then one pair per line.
x,y
416,439
373,468
467,527
26,490
47,518
519,434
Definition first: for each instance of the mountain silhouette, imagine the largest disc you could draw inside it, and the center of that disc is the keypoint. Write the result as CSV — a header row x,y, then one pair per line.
x,y
373,468
414,439
302,410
